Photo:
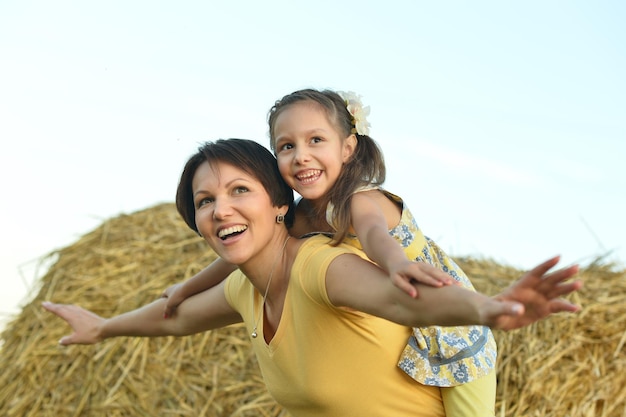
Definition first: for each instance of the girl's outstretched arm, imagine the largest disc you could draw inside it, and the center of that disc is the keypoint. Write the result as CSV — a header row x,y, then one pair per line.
x,y
209,277
371,213
204,311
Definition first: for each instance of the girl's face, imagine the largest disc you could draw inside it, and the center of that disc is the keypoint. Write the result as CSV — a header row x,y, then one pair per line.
x,y
310,150
234,212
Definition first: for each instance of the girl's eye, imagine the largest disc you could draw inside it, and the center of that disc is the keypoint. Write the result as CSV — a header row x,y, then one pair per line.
x,y
316,139
285,147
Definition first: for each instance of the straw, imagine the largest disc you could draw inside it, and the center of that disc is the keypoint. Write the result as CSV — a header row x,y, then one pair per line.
x,y
568,365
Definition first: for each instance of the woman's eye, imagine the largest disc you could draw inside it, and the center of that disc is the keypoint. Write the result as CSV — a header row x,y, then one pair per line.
x,y
241,190
204,201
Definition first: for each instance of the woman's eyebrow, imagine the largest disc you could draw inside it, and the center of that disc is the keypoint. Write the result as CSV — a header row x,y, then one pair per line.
x,y
229,183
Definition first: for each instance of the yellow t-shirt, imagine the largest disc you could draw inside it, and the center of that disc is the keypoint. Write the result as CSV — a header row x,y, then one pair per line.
x,y
435,355
330,361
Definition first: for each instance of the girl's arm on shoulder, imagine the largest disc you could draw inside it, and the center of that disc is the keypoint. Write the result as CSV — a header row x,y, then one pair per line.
x,y
209,277
372,215
355,283
204,311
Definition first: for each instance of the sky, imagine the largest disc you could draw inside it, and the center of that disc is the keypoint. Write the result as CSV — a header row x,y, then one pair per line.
x,y
502,122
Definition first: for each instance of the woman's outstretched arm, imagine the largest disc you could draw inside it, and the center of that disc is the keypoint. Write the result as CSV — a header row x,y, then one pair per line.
x,y
204,311
355,283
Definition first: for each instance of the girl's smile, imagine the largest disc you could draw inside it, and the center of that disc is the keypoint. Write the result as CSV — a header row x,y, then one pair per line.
x,y
308,176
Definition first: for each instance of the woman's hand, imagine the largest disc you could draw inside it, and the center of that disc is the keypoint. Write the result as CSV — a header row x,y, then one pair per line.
x,y
85,324
535,296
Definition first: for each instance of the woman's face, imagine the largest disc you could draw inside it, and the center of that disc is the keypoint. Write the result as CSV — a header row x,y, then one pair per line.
x,y
234,212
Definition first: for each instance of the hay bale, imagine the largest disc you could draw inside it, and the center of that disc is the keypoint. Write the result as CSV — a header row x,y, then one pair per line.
x,y
565,366
125,263
568,365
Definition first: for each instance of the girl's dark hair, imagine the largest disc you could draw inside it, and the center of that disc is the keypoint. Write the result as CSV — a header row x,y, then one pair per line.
x,y
247,155
365,167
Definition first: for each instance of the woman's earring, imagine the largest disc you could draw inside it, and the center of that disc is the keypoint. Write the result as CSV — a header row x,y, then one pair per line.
x,y
280,218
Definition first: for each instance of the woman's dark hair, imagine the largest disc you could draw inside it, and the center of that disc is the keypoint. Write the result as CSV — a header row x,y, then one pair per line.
x,y
365,167
247,155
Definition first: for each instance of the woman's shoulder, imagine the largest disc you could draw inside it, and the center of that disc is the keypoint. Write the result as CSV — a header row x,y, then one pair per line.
x,y
314,255
316,248
237,289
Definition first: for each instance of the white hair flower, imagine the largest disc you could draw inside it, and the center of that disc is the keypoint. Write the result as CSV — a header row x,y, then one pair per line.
x,y
359,113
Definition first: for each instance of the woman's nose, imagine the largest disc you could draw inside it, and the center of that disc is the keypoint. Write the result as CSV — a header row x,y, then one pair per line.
x,y
221,208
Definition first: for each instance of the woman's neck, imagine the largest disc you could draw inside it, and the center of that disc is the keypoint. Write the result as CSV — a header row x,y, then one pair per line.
x,y
311,216
266,271
318,204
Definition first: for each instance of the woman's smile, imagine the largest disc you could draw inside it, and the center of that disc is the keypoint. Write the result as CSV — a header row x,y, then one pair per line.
x,y
233,211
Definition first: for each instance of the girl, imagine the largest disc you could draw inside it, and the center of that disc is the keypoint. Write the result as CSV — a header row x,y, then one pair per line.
x,y
325,154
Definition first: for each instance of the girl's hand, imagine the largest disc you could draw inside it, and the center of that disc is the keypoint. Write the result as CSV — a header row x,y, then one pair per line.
x,y
407,273
536,295
84,323
174,297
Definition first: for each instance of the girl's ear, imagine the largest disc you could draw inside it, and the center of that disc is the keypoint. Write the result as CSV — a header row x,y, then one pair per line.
x,y
349,146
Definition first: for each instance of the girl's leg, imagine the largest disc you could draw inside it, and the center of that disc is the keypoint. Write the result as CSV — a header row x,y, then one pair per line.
x,y
476,398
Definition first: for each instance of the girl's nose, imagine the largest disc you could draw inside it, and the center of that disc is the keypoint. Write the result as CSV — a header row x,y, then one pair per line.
x,y
302,155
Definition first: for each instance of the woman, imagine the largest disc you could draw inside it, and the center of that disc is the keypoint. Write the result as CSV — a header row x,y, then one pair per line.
x,y
325,324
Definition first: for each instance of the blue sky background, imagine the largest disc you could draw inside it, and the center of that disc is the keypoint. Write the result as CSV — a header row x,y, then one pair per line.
x,y
502,123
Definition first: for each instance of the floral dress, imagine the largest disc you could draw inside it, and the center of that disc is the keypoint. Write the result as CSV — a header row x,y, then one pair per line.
x,y
434,355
